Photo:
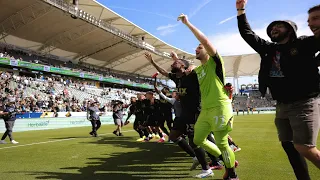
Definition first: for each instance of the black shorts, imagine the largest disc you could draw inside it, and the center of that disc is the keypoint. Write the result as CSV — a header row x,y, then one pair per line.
x,y
138,122
189,118
179,125
153,121
167,116
160,119
184,128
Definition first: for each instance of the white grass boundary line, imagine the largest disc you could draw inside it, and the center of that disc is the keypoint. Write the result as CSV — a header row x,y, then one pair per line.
x,y
60,140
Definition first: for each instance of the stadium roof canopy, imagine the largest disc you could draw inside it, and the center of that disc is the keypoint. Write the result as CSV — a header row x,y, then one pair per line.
x,y
98,36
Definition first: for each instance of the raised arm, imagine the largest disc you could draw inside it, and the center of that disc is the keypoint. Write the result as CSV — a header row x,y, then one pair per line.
x,y
212,51
245,30
174,56
160,69
170,100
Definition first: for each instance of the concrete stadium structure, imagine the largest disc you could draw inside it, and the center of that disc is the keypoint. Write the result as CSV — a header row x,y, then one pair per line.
x,y
96,36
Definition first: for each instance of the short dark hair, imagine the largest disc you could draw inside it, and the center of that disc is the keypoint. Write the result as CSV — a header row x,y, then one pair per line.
x,y
185,63
314,8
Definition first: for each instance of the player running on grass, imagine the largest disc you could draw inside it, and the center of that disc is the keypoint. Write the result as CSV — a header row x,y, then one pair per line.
x,y
188,88
136,108
153,113
216,108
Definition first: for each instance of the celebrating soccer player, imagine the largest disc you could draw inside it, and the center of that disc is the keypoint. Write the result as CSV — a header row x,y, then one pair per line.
x,y
189,93
216,108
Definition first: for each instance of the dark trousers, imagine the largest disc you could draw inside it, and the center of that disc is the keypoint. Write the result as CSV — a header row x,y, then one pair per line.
x,y
96,124
9,126
169,120
136,127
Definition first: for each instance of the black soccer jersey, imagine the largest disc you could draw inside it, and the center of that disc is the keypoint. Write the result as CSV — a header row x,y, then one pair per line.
x,y
139,110
166,107
189,91
153,111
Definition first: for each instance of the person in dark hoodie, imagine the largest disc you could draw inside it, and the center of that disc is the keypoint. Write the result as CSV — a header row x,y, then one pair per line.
x,y
286,61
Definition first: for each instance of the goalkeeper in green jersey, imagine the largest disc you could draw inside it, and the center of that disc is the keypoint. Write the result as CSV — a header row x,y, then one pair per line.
x,y
216,109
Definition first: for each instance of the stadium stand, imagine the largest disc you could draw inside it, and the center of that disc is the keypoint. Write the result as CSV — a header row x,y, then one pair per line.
x,y
49,94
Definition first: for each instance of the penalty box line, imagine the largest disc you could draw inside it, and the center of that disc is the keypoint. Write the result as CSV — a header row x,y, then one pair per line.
x,y
53,141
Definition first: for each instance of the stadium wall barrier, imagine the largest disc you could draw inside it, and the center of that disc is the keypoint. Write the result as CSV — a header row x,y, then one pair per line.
x,y
52,115
255,112
77,119
31,124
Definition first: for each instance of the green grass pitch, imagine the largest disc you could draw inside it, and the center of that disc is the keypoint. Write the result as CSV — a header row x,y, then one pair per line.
x,y
71,154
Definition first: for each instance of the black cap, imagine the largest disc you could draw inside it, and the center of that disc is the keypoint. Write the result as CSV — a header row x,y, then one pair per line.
x,y
291,24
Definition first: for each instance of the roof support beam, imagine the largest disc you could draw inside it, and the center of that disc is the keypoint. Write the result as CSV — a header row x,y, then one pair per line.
x,y
84,58
119,57
90,5
20,19
109,20
125,59
236,65
159,46
129,25
146,65
148,68
66,37
139,34
102,9
132,30
94,47
155,42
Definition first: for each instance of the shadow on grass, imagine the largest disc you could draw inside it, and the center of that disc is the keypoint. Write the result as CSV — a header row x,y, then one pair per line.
x,y
145,161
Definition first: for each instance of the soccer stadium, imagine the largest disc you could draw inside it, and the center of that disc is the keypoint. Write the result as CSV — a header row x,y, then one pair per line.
x,y
72,71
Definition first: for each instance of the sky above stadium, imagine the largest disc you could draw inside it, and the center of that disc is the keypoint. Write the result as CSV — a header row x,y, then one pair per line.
x,y
215,18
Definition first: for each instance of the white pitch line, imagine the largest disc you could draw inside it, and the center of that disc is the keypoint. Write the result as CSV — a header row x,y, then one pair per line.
x,y
46,142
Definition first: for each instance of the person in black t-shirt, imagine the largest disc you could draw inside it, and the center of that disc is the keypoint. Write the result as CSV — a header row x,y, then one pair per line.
x,y
297,110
